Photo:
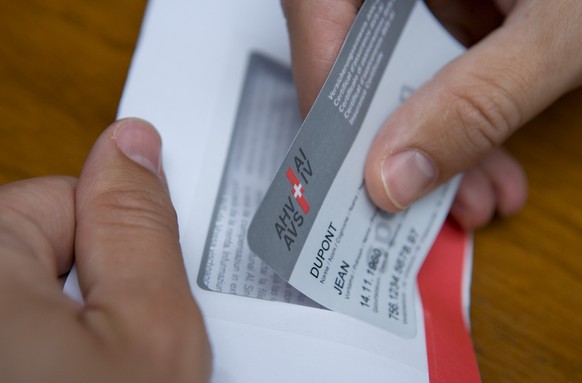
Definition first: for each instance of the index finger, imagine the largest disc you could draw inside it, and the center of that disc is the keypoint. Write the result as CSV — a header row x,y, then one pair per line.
x,y
317,30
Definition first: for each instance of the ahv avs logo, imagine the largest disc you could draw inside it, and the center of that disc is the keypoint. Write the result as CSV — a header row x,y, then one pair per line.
x,y
296,207
298,190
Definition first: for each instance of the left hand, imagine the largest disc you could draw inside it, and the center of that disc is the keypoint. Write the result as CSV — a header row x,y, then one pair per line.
x,y
139,322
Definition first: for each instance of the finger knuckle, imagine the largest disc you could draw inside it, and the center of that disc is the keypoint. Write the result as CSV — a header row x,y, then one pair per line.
x,y
14,224
136,208
486,112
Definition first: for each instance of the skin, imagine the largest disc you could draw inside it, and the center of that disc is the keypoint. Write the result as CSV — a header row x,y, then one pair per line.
x,y
523,55
139,322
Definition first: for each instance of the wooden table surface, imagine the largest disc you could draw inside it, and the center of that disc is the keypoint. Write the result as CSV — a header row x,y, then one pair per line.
x,y
63,68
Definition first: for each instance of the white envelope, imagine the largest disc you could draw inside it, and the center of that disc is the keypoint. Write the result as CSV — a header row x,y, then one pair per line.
x,y
186,78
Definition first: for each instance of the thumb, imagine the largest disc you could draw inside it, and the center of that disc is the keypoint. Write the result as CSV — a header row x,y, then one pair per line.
x,y
473,104
128,255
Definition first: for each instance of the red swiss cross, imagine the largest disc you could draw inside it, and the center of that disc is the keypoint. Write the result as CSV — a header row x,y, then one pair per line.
x,y
298,190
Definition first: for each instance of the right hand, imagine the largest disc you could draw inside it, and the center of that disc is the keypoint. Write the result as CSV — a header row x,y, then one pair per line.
x,y
139,322
457,121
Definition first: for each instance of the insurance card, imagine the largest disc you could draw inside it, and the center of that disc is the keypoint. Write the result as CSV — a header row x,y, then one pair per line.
x,y
316,226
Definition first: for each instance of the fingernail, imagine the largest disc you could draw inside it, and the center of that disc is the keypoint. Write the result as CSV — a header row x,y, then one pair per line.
x,y
140,142
407,176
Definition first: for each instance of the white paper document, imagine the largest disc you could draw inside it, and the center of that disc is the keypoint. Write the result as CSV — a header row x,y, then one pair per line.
x,y
215,79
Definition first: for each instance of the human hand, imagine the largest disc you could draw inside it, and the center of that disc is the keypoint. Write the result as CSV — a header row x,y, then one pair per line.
x,y
457,121
139,322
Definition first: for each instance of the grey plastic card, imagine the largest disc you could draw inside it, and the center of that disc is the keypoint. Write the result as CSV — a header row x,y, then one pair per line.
x,y
316,226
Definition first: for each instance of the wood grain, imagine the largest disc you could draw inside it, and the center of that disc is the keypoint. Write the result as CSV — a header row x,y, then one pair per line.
x,y
62,70
527,278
